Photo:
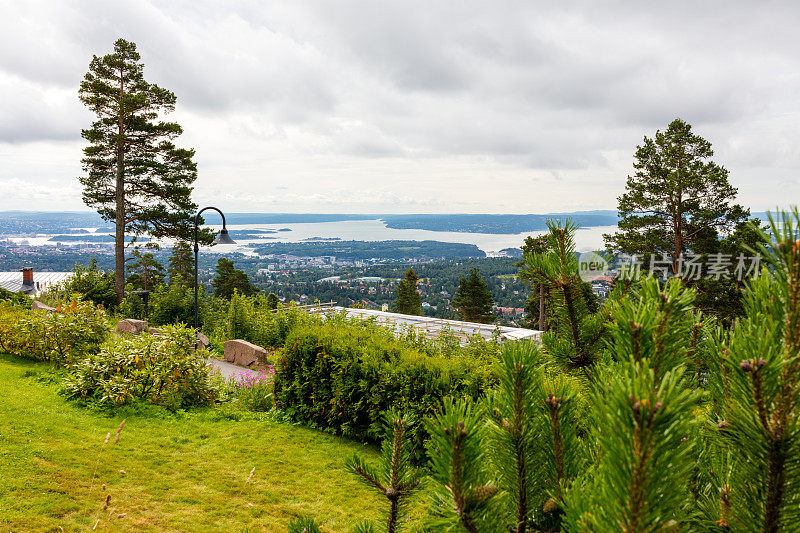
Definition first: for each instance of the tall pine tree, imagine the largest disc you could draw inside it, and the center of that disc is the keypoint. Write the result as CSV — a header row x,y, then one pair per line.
x,y
134,175
676,197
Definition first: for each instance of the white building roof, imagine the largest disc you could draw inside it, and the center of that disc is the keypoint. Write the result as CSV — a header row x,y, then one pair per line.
x,y
432,327
12,281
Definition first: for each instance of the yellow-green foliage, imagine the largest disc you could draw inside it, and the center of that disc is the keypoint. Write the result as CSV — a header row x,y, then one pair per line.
x,y
162,369
76,330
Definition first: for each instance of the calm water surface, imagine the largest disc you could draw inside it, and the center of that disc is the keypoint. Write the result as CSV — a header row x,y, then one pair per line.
x,y
374,230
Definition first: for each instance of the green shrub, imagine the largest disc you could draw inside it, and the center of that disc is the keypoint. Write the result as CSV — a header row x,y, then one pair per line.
x,y
90,282
342,377
160,369
14,298
172,304
251,319
77,330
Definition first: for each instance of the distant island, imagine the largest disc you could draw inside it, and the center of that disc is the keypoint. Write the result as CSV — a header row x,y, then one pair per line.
x,y
512,252
359,250
497,224
323,239
251,233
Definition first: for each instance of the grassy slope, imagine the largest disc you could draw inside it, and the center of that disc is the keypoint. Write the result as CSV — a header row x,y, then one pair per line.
x,y
181,473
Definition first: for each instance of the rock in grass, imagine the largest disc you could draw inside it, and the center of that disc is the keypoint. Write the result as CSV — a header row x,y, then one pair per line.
x,y
133,326
243,353
37,305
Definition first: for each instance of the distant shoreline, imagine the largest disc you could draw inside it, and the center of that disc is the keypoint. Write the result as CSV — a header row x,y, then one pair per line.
x,y
15,222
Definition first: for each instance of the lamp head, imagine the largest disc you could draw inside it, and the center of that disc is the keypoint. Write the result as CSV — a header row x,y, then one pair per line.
x,y
224,238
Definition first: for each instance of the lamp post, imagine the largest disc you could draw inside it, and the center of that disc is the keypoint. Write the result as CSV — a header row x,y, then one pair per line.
x,y
223,238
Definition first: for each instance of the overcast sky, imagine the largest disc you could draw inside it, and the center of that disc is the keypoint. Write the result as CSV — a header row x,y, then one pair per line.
x,y
412,107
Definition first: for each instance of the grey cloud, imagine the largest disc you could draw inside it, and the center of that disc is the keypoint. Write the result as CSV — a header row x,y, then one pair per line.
x,y
521,86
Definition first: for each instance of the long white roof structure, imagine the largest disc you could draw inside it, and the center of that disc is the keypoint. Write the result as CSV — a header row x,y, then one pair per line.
x,y
432,327
12,281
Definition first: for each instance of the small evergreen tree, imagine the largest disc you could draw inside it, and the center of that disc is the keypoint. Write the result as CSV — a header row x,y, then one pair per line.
x,y
272,301
303,524
756,410
473,299
230,279
145,272
237,317
396,479
181,264
534,441
408,301
642,418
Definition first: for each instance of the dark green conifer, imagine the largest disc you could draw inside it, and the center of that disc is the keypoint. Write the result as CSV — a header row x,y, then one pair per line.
x,y
473,299
408,301
395,478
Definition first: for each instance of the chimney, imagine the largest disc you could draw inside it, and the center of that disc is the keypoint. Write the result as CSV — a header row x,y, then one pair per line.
x,y
27,278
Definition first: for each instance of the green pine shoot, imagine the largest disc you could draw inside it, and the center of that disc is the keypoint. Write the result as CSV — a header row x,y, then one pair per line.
x,y
396,479
464,492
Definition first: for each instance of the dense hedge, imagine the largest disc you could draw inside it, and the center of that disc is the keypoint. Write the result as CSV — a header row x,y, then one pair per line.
x,y
342,378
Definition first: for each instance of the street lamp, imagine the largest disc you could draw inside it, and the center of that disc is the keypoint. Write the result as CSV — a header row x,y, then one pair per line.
x,y
223,238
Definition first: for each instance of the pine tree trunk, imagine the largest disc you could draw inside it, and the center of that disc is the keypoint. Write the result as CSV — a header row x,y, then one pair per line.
x,y
119,238
541,307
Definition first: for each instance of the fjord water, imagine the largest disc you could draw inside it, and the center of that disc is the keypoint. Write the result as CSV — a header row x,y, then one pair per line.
x,y
586,239
374,230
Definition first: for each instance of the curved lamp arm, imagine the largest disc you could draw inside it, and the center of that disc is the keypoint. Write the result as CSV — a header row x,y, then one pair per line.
x,y
196,253
197,223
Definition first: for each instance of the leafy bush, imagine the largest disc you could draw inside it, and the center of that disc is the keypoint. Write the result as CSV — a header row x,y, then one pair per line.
x,y
252,319
14,298
342,377
163,370
90,282
172,304
77,330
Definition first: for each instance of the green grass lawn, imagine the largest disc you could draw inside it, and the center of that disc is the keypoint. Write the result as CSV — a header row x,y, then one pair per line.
x,y
181,472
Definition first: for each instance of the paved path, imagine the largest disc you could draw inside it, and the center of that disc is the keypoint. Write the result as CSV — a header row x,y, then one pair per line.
x,y
227,369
